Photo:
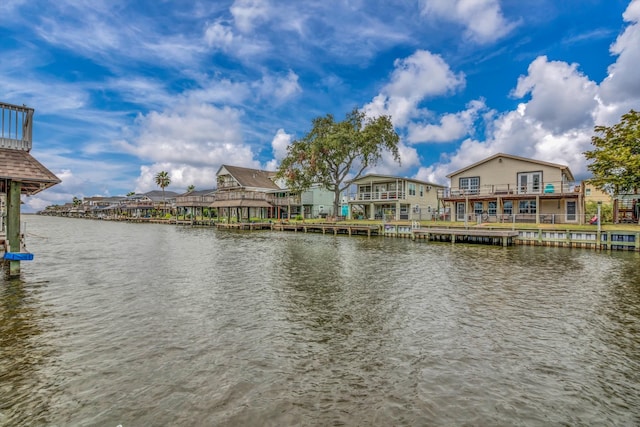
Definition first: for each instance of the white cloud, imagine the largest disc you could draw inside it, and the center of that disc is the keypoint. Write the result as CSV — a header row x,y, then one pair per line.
x,y
196,136
561,97
483,20
451,127
219,36
414,78
280,143
277,88
622,85
247,12
182,176
554,125
221,92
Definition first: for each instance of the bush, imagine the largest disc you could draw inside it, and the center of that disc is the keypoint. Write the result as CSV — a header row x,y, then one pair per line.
x,y
606,211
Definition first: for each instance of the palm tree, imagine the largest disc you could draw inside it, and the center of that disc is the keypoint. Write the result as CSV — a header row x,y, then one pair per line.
x,y
163,180
191,188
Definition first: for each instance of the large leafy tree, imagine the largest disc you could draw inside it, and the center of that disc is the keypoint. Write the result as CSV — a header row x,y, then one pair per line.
x,y
615,160
163,180
333,151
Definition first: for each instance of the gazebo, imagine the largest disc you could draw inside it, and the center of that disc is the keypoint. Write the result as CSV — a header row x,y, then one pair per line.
x,y
20,173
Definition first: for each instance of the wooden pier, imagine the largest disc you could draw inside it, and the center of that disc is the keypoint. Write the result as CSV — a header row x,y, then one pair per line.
x,y
332,228
626,240
244,225
467,235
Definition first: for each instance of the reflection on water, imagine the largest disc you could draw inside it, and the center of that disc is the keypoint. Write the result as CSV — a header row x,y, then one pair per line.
x,y
22,354
155,325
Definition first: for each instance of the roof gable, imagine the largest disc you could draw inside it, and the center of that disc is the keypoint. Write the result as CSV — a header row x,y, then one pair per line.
x,y
510,156
246,177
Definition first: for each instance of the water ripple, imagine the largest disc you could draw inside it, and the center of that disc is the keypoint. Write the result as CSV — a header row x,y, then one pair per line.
x,y
153,325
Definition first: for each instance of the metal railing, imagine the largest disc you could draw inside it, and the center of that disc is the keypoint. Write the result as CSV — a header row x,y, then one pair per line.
x,y
528,218
16,125
378,196
542,188
238,195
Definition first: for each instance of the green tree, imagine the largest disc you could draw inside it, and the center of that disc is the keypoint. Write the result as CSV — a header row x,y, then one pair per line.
x,y
131,193
615,160
163,180
332,151
191,188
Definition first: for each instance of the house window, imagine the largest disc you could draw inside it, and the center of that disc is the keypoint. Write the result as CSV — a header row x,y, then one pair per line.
x,y
492,208
507,208
527,207
529,182
477,208
470,185
571,210
422,191
412,189
587,192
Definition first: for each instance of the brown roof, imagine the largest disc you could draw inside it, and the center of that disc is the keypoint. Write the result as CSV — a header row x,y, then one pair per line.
x,y
20,166
254,178
241,203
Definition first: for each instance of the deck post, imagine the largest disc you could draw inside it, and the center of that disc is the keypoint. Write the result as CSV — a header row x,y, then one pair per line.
x,y
13,225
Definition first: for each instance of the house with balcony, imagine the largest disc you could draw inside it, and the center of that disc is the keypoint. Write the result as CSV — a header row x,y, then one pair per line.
x,y
244,193
195,203
388,197
316,202
507,188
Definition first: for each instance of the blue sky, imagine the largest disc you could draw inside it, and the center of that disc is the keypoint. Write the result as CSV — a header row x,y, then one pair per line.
x,y
123,90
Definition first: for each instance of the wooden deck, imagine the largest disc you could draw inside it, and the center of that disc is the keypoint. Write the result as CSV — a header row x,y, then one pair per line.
x,y
244,225
467,235
332,228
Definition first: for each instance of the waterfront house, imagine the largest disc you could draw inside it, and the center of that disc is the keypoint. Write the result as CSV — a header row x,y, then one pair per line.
x,y
243,193
195,203
506,188
393,198
98,206
315,202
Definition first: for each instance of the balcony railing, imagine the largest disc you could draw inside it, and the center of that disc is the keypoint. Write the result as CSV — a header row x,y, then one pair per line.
x,y
376,196
542,188
16,124
238,195
285,201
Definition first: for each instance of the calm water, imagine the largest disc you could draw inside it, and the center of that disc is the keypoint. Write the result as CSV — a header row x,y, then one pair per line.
x,y
139,325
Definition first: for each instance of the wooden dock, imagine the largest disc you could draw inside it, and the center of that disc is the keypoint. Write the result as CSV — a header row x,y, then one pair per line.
x,y
467,235
244,225
332,228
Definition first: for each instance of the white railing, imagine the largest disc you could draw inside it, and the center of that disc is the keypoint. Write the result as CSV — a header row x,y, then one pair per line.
x,y
378,196
547,187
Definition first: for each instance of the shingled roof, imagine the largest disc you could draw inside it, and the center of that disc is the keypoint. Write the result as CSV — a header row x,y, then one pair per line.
x,y
20,166
251,178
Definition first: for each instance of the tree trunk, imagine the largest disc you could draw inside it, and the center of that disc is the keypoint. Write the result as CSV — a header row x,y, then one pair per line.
x,y
336,202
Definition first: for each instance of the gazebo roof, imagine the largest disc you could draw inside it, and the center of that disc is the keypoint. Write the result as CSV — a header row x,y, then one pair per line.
x,y
20,166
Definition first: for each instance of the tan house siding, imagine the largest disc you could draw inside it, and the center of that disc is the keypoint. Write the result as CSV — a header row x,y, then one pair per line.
x,y
507,188
390,197
593,194
501,172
